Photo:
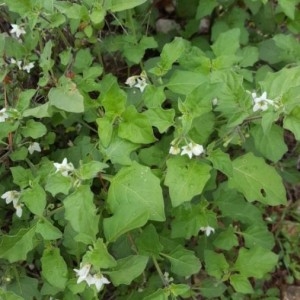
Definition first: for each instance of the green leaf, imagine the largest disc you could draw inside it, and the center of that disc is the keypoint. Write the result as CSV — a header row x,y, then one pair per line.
x,y
99,257
119,150
46,63
24,286
154,96
189,218
34,129
105,130
137,191
97,15
183,82
249,56
221,161
47,230
135,127
137,186
24,99
289,47
15,247
241,284
7,295
80,211
54,268
234,206
91,169
205,8
227,42
288,7
226,239
257,181
279,83
183,261
148,242
120,5
212,288
160,118
22,7
160,294
121,222
170,53
21,176
255,262
112,97
134,51
57,183
202,128
270,144
72,10
258,235
34,199
185,178
180,289
19,154
66,97
128,269
41,111
198,102
83,60
215,264
292,123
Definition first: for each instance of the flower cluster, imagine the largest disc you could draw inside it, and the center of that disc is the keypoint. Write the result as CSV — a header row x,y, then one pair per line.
x,y
167,277
137,81
84,274
64,168
208,230
189,149
19,63
14,197
3,115
17,30
261,103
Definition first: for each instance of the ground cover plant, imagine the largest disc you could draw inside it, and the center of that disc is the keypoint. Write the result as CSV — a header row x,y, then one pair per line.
x,y
149,149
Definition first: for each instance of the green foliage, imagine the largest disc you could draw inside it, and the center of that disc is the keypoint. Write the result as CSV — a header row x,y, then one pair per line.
x,y
149,149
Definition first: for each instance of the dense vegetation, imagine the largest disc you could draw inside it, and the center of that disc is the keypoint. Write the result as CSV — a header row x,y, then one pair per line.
x,y
149,149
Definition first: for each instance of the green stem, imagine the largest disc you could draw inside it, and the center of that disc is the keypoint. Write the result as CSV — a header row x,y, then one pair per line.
x,y
54,211
130,19
159,271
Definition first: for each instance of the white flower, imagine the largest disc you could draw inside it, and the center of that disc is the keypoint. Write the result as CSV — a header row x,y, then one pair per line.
x,y
83,272
17,30
174,150
11,196
28,67
3,115
137,81
141,84
192,149
131,81
197,149
64,168
34,147
215,101
18,208
17,62
168,278
208,230
99,280
261,103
